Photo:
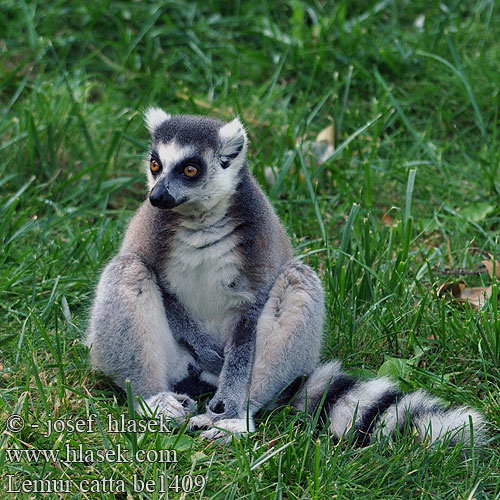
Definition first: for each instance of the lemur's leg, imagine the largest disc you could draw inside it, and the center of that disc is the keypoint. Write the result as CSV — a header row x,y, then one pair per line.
x,y
288,339
289,333
130,337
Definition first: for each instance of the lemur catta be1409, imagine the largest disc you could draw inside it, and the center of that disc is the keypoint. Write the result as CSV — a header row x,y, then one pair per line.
x,y
205,296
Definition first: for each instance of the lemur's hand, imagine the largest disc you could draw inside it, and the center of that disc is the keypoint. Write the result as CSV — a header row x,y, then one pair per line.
x,y
219,409
211,360
224,407
207,352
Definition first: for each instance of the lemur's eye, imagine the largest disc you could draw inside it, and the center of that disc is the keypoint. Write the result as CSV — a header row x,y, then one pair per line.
x,y
155,166
190,171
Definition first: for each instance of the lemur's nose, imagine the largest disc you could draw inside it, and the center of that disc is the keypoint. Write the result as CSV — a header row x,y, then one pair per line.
x,y
161,198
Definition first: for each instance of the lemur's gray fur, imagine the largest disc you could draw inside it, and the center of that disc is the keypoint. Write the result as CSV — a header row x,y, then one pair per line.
x,y
205,295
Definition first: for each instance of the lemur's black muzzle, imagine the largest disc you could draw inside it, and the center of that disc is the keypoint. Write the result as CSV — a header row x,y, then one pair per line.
x,y
161,198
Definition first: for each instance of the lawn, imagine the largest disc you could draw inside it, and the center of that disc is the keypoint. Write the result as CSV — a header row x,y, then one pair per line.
x,y
412,189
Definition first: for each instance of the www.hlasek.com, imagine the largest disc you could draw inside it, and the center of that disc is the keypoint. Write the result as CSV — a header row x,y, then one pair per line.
x,y
67,455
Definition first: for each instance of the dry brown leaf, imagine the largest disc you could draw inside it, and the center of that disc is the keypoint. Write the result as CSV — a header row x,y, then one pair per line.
x,y
475,296
389,220
327,135
488,264
324,146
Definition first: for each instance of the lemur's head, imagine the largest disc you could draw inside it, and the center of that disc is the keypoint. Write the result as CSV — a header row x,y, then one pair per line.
x,y
194,161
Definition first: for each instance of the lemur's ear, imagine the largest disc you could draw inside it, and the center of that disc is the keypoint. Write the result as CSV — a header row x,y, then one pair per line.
x,y
154,117
233,141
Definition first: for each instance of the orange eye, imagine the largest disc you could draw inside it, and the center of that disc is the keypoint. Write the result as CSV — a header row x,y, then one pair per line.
x,y
190,171
155,166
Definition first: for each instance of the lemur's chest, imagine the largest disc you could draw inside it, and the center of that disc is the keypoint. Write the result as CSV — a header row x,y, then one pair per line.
x,y
204,270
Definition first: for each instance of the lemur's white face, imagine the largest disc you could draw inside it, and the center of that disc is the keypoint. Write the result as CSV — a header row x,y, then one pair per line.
x,y
194,161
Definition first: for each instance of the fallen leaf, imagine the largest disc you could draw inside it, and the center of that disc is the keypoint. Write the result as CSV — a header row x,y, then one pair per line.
x,y
327,135
389,220
475,296
321,149
324,146
488,264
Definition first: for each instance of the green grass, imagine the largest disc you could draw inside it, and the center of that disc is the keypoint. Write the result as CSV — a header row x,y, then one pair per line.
x,y
416,130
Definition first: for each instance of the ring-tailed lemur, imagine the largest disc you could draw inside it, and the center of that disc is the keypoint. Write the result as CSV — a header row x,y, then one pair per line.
x,y
205,295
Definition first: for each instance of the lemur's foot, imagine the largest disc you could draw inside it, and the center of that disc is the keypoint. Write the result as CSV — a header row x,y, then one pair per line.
x,y
171,405
201,421
224,430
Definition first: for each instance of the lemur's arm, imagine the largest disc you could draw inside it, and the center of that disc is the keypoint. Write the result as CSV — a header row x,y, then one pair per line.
x,y
187,331
234,381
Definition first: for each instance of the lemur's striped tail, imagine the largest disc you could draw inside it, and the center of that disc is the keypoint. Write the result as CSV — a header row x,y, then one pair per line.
x,y
378,408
